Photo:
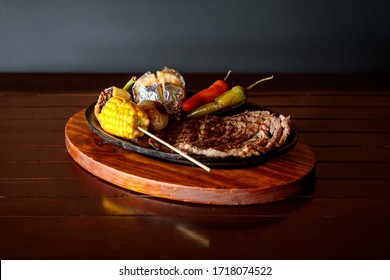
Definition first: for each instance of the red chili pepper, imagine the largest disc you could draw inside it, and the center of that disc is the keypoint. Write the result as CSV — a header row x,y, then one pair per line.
x,y
205,96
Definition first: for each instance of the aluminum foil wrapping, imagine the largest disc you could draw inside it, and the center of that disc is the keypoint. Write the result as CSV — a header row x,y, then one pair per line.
x,y
167,87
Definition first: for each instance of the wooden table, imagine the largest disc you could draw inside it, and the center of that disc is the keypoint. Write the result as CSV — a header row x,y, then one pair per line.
x,y
51,208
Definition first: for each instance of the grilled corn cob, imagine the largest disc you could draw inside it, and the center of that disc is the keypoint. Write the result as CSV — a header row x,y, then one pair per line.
x,y
119,116
106,94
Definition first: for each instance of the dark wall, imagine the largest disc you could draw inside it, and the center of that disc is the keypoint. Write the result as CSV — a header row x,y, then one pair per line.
x,y
201,35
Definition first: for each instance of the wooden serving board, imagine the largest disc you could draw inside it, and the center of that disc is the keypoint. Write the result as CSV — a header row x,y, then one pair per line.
x,y
274,180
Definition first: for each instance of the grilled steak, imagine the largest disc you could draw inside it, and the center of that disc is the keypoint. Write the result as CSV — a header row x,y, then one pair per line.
x,y
247,134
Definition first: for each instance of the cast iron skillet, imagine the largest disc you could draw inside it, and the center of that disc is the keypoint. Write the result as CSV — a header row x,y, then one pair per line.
x,y
212,162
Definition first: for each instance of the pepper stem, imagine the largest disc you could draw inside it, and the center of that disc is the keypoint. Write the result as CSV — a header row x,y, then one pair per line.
x,y
258,82
130,83
227,75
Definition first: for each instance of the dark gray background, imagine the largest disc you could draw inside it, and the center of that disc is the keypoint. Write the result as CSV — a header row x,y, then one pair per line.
x,y
191,36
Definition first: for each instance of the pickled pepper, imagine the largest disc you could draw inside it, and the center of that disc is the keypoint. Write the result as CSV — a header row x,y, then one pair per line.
x,y
206,95
230,99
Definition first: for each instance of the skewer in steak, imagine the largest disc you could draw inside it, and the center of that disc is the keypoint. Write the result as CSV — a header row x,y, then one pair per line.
x,y
251,133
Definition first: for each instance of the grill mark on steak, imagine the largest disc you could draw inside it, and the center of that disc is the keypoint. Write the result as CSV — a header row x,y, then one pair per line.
x,y
243,135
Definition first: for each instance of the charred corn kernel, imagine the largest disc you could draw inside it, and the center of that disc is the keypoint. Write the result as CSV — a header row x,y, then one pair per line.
x,y
106,94
121,117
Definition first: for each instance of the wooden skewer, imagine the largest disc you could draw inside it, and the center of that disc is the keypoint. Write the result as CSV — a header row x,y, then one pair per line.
x,y
175,149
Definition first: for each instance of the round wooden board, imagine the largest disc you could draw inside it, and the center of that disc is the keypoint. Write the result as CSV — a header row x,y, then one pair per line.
x,y
274,180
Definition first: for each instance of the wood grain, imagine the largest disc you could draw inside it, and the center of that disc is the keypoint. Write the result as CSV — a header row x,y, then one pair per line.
x,y
272,181
154,238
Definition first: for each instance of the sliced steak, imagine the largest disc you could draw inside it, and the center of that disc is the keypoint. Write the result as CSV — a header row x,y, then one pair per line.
x,y
247,134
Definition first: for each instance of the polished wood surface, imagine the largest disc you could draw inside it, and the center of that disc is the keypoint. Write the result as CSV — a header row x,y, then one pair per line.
x,y
51,208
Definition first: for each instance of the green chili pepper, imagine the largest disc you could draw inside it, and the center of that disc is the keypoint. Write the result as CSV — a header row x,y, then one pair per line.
x,y
230,99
